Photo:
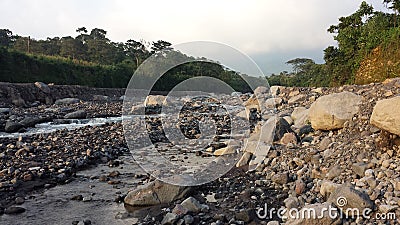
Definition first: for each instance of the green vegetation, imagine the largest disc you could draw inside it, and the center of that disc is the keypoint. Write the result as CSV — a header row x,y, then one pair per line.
x,y
92,59
359,37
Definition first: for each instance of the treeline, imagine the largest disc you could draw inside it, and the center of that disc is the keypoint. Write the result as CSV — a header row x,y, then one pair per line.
x,y
92,59
358,36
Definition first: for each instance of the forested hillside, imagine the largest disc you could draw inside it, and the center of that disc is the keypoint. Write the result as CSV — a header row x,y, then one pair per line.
x,y
92,59
368,46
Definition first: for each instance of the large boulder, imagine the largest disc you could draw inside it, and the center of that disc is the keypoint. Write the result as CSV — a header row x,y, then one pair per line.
x,y
12,126
385,115
65,101
156,193
272,130
80,114
43,87
31,121
330,112
350,200
154,100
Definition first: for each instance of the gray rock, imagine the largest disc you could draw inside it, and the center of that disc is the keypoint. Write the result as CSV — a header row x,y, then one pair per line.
x,y
273,130
261,90
18,101
103,98
14,210
188,219
347,197
65,101
273,102
169,219
330,112
386,116
327,187
245,215
296,99
12,126
280,178
324,144
244,160
80,114
192,205
300,116
43,87
155,193
275,90
30,121
360,168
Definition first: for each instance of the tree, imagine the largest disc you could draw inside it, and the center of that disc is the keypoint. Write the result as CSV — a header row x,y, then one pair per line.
x,y
82,34
160,45
6,38
395,6
300,64
136,50
82,30
70,47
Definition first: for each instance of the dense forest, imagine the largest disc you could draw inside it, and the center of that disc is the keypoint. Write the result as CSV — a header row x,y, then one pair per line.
x,y
368,50
92,59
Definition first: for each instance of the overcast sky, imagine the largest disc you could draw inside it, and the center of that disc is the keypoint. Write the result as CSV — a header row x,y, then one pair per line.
x,y
271,32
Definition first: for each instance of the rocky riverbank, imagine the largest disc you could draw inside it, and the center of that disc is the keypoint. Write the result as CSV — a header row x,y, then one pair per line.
x,y
308,149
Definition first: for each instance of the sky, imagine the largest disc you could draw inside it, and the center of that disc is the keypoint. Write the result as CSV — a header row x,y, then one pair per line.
x,y
270,32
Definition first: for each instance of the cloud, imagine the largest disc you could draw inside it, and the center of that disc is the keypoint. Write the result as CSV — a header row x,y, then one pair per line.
x,y
256,27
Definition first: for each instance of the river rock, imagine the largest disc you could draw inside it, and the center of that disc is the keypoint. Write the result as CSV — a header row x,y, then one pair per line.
x,y
360,168
296,99
273,130
280,178
192,205
300,116
43,87
31,121
154,100
327,187
80,114
65,101
14,210
386,116
261,90
252,103
275,90
12,126
347,197
273,102
289,138
330,112
169,219
103,98
155,193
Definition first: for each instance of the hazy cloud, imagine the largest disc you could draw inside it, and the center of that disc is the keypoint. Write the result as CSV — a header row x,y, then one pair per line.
x,y
262,29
